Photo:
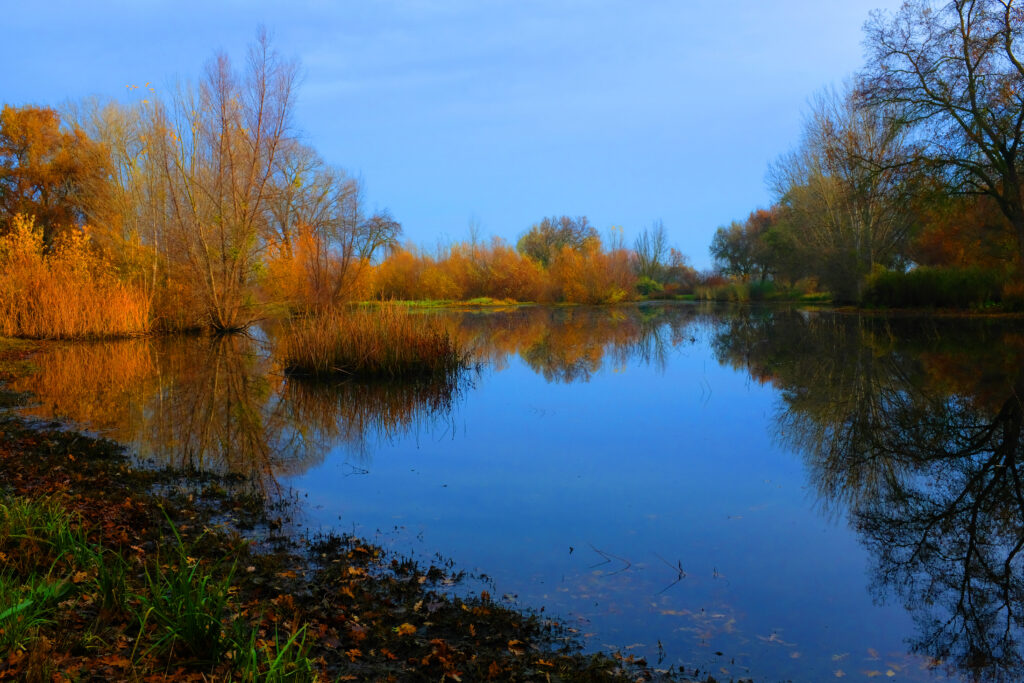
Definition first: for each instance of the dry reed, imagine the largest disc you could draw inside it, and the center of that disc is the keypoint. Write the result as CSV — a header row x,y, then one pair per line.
x,y
384,341
65,292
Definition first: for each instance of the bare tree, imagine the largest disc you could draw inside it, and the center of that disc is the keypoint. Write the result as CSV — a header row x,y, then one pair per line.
x,y
651,247
545,239
317,214
217,154
844,189
954,72
129,214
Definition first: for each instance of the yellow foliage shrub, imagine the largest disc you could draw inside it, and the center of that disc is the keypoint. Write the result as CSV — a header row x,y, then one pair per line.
x,y
67,292
591,276
306,275
497,271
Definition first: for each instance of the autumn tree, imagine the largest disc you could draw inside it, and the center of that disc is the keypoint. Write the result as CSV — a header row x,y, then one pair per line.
x,y
651,249
47,171
544,240
845,191
218,149
317,218
733,251
960,231
952,72
679,274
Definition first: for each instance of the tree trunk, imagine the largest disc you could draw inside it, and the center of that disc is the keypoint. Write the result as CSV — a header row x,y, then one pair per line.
x,y
1018,229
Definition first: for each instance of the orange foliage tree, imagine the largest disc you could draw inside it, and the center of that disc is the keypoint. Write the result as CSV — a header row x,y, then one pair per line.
x,y
45,171
962,231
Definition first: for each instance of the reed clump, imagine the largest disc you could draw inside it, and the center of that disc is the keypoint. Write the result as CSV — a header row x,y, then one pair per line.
x,y
64,291
383,341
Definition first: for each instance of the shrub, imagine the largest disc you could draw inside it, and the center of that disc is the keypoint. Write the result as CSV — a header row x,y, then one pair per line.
x,y
592,276
730,291
66,292
928,287
648,287
762,290
384,341
467,271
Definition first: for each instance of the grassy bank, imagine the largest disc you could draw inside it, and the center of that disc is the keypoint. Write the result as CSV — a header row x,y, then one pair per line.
x,y
766,290
479,302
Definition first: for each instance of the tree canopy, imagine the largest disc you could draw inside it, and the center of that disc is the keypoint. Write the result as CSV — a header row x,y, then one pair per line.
x,y
47,171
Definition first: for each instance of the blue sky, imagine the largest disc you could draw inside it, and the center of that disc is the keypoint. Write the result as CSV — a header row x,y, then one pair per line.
x,y
500,112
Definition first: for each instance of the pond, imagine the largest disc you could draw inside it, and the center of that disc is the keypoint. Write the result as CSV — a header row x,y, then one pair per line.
x,y
758,492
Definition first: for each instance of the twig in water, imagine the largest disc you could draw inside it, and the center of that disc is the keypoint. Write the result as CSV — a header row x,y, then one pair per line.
x,y
608,557
677,568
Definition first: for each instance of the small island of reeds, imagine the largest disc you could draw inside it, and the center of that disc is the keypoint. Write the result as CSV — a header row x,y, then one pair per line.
x,y
384,342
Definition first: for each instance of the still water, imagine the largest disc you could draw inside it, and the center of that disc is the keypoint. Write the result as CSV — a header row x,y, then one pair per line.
x,y
766,493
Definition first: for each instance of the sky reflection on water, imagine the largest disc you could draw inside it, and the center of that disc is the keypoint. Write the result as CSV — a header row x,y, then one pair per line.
x,y
778,494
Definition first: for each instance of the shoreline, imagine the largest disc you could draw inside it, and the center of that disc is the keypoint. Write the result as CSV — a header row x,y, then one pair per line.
x,y
327,608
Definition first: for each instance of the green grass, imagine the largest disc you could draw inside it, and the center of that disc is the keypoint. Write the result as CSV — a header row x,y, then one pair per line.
x,y
275,660
178,608
187,604
43,552
26,605
385,341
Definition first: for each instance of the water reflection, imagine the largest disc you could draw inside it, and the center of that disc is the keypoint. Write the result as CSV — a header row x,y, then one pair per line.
x,y
222,404
913,426
358,415
908,428
567,345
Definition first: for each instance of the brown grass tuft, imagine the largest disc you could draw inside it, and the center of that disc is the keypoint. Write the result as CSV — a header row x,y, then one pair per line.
x,y
383,341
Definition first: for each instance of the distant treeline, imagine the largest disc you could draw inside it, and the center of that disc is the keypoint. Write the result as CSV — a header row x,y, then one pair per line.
x,y
204,209
906,185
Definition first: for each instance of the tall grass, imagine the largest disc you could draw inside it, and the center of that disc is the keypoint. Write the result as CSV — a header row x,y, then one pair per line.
x,y
64,292
384,341
187,604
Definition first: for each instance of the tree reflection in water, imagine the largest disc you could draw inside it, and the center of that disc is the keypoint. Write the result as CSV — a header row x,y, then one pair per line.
x,y
567,345
222,404
914,427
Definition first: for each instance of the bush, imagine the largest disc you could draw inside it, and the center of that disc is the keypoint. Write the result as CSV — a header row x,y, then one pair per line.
x,y
730,291
648,287
927,287
65,292
385,341
760,291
